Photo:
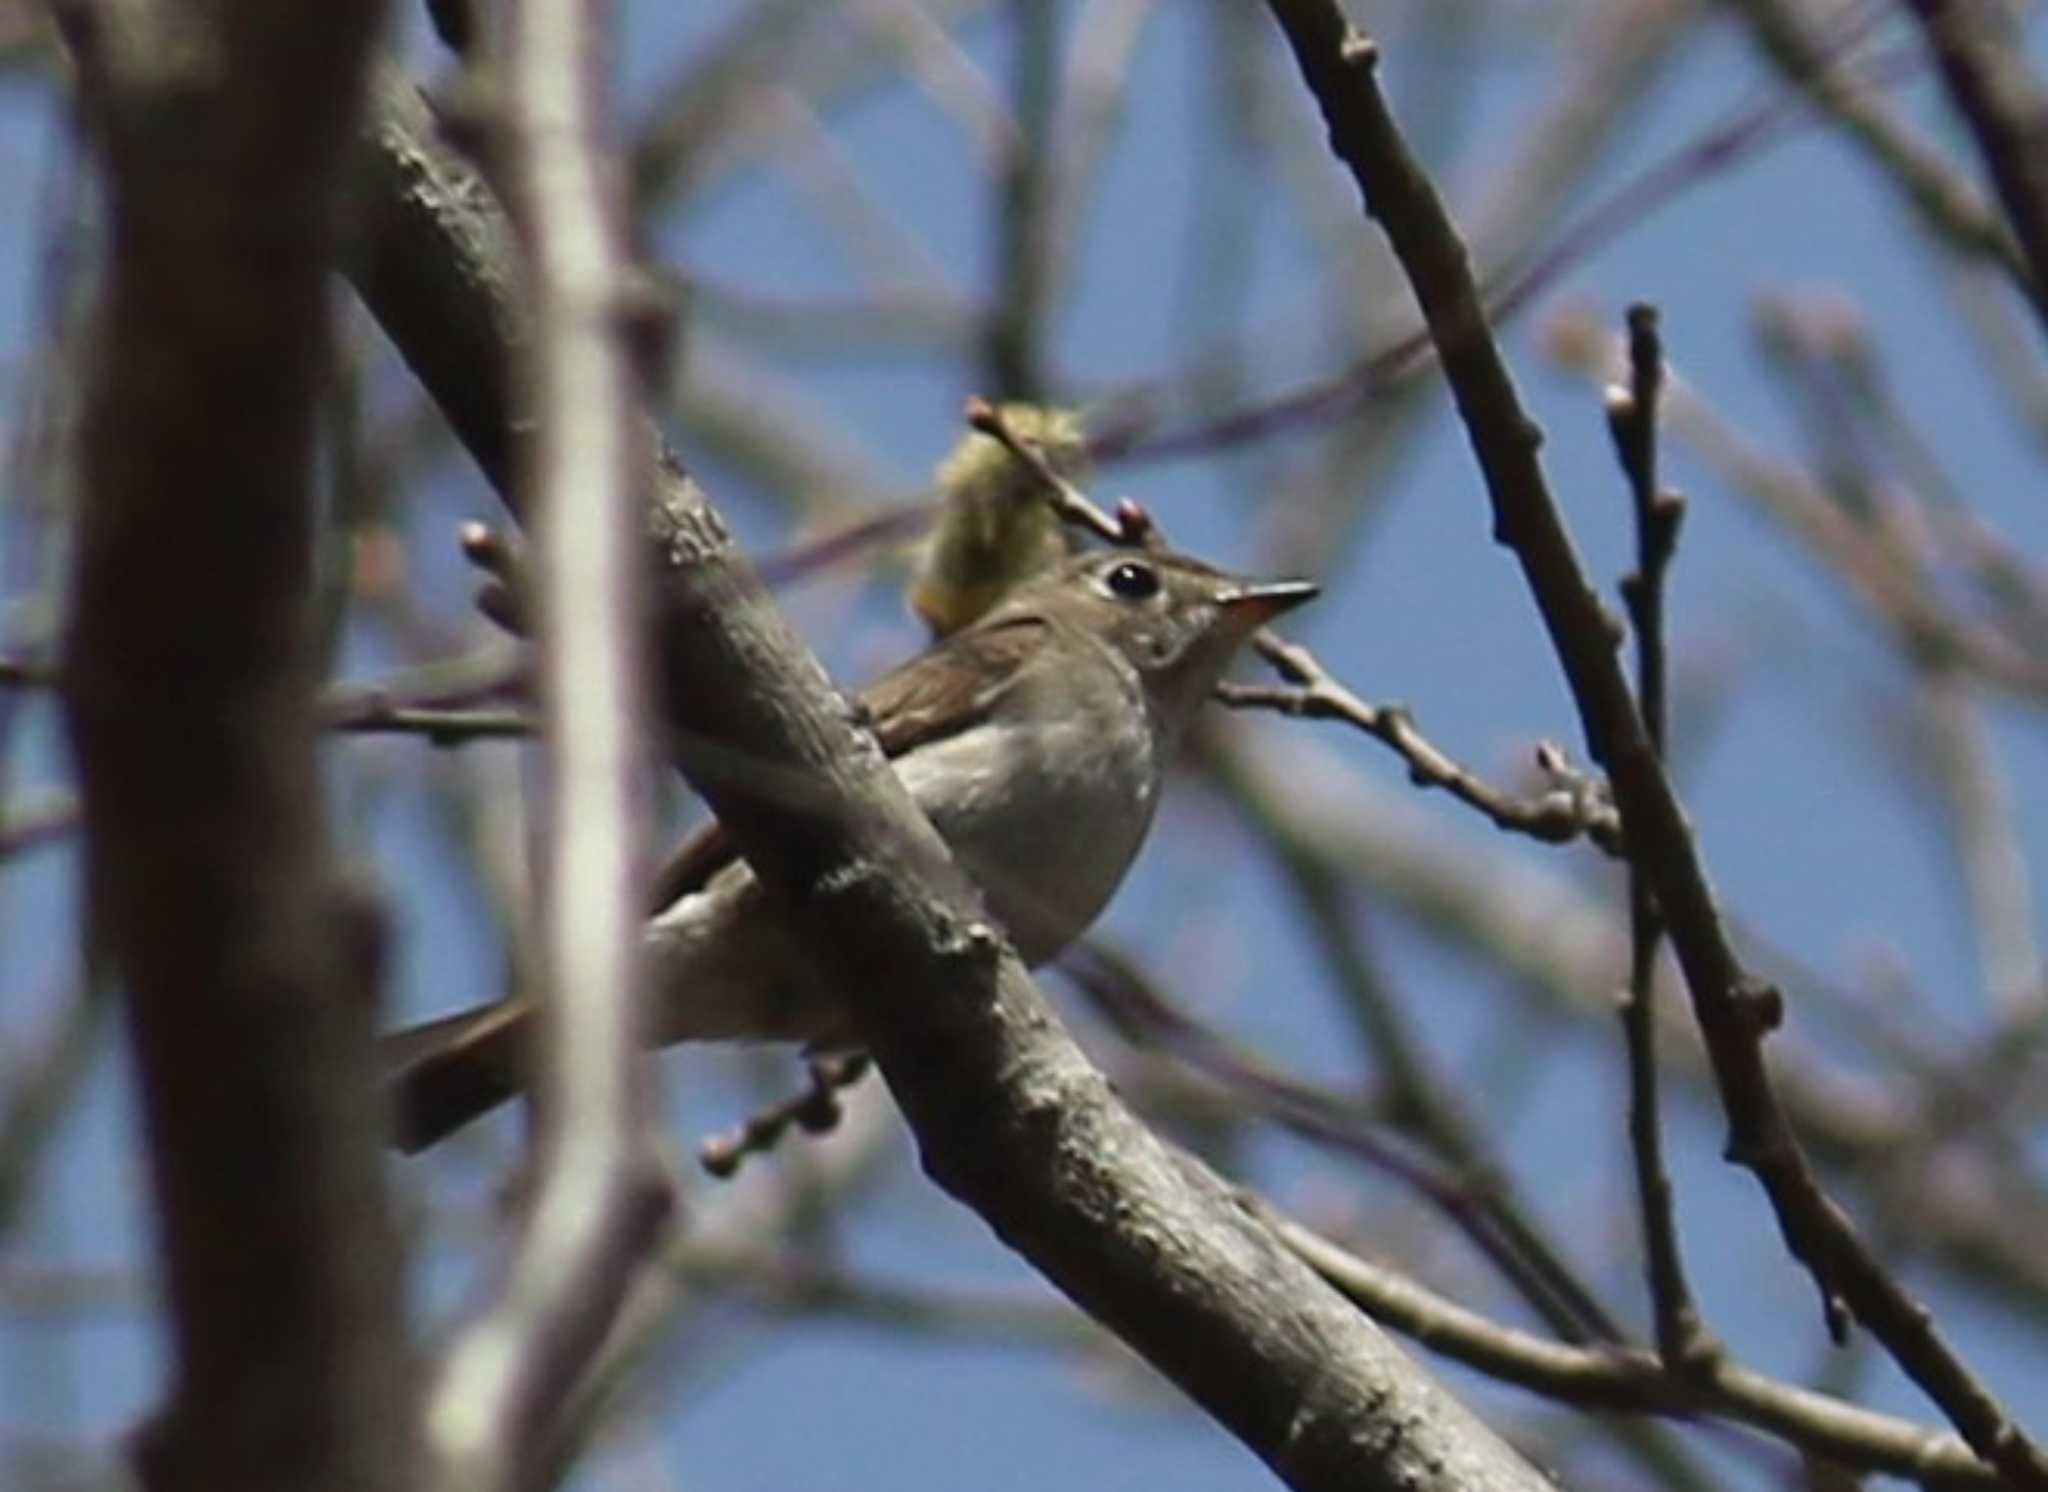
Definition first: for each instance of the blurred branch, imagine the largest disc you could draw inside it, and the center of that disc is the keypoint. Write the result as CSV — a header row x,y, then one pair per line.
x,y
1997,888
1982,56
703,122
38,1087
705,96
1734,1009
1384,373
441,727
1862,545
447,700
1877,570
26,673
596,1206
1092,94
34,825
1946,201
1019,301
421,702
251,974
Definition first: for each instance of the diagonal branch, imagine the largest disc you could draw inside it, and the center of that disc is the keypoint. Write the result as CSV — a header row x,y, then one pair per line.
x,y
1009,1115
1982,56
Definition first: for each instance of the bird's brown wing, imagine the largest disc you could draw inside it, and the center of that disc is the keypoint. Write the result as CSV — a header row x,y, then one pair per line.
x,y
946,689
951,687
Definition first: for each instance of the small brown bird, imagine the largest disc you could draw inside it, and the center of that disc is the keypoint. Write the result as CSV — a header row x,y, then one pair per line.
x,y
1037,740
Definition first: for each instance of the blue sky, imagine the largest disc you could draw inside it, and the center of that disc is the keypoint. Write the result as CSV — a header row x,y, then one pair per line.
x,y
1807,831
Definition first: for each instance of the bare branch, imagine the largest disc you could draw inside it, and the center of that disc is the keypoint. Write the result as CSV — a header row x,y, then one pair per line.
x,y
817,1110
1069,503
1632,420
1574,809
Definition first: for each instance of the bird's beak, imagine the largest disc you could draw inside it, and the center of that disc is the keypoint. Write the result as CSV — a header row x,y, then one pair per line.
x,y
1258,602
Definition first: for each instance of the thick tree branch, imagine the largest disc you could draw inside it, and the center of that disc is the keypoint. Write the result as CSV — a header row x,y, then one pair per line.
x,y
189,678
1009,1115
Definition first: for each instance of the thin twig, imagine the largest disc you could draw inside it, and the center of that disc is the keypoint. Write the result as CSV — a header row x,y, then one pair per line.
x,y
816,1111
1632,420
1131,527
1575,808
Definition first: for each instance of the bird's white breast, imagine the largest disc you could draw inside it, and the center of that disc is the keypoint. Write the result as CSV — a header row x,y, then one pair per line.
x,y
1045,815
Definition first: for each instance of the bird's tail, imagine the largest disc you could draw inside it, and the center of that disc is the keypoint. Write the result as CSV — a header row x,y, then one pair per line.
x,y
443,1073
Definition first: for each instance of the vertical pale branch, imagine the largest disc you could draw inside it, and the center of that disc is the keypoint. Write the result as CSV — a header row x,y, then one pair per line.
x,y
188,669
596,1204
1735,1010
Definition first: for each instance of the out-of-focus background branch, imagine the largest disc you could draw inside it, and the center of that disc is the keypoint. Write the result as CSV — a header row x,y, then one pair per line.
x,y
1389,1018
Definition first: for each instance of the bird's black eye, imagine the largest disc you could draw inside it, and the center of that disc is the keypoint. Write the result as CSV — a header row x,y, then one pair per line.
x,y
1133,581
